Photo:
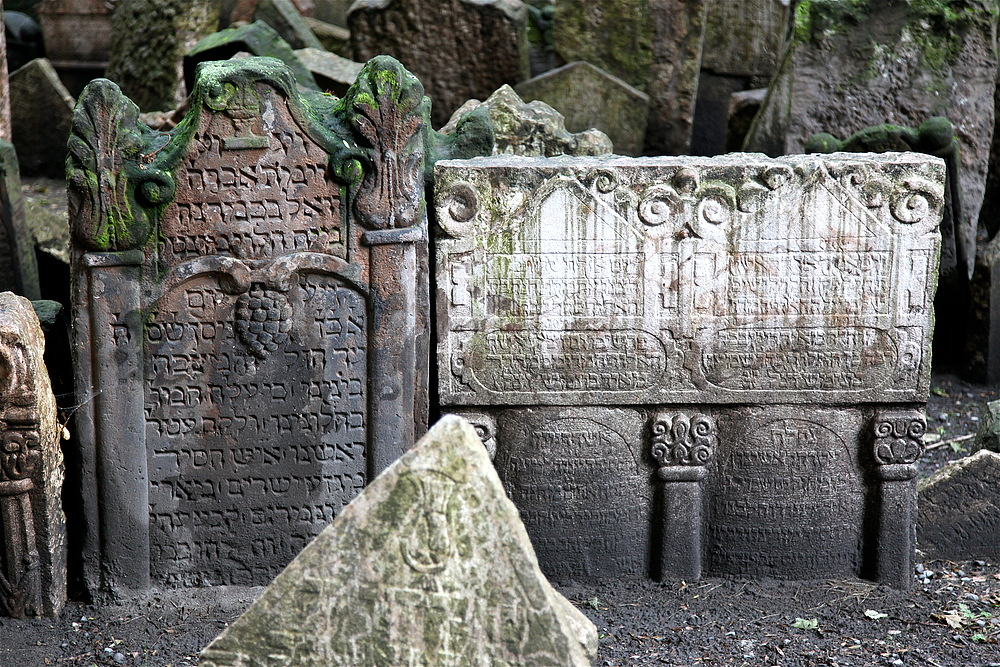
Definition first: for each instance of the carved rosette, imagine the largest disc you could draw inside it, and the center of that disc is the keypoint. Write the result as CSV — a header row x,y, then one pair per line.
x,y
898,443
682,445
389,114
114,195
263,319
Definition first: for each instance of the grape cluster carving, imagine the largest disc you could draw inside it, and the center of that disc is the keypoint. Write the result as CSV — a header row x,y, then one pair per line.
x,y
263,320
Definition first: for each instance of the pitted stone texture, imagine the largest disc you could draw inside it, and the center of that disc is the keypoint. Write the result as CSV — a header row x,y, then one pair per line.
x,y
533,129
589,97
850,68
655,47
429,565
18,268
960,510
744,37
459,49
33,545
617,281
988,436
582,485
40,113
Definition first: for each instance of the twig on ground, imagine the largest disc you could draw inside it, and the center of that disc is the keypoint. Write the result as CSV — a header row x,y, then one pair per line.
x,y
950,441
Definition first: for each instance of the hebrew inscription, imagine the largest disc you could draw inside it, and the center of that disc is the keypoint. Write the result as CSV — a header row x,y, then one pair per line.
x,y
654,280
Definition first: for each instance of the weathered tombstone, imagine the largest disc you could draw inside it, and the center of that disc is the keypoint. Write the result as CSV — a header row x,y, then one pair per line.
x,y
333,11
149,40
430,565
988,436
332,73
32,525
655,47
288,22
333,38
664,351
960,511
851,66
40,113
588,97
459,49
533,128
249,348
18,269
76,30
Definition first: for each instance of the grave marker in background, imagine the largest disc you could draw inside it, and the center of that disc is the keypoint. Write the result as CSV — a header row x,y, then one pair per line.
x,y
250,344
622,316
18,266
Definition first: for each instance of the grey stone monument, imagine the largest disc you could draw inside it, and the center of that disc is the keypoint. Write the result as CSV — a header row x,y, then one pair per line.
x,y
248,314
703,365
960,511
18,266
430,565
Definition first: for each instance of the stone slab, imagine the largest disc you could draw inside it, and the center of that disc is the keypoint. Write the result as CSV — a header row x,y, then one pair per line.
x,y
332,73
76,30
31,472
532,128
588,97
18,266
960,509
617,281
429,565
334,38
40,113
744,37
459,49
283,16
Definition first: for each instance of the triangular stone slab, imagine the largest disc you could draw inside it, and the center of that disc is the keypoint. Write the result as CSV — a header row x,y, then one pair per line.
x,y
430,565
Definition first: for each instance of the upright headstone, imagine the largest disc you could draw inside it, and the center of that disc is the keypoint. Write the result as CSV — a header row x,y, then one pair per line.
x,y
430,565
252,346
460,49
41,109
856,65
532,128
655,47
76,30
149,40
960,511
18,268
755,332
32,525
587,97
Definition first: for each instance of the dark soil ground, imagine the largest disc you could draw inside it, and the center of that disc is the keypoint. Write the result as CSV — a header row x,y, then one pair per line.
x,y
951,617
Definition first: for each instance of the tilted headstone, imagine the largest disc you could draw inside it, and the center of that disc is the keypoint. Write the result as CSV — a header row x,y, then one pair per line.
x,y
33,538
332,73
40,113
18,268
430,565
532,128
960,510
250,349
149,40
459,49
852,66
587,97
333,38
288,22
666,349
655,47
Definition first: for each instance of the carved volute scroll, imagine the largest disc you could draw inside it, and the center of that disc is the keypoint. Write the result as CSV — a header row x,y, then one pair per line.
x,y
389,114
898,439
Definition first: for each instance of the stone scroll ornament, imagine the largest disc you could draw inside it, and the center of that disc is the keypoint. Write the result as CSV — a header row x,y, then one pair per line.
x,y
682,446
249,314
32,525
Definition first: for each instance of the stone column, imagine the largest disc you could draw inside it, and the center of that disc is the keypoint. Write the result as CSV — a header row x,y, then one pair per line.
x,y
898,443
682,446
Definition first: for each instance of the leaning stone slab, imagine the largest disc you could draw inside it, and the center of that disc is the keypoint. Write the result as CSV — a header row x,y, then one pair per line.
x,y
33,543
429,565
731,350
588,97
744,37
459,49
533,128
960,509
288,22
333,74
18,268
40,113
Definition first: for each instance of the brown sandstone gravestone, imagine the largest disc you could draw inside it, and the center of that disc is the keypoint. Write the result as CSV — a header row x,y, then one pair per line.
x,y
252,348
696,364
459,49
430,565
33,537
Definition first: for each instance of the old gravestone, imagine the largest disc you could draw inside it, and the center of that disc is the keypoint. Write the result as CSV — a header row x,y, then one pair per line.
x,y
40,113
589,97
959,512
707,364
654,46
532,128
249,348
33,538
430,565
459,49
18,267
